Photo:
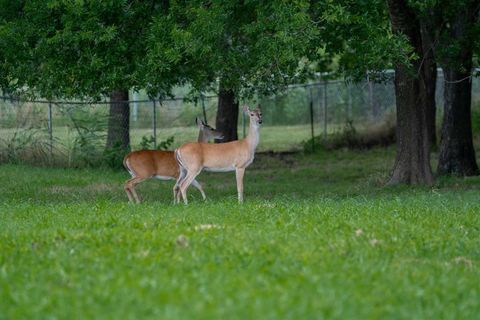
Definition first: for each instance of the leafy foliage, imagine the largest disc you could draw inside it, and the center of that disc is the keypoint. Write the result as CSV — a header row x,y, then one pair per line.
x,y
27,143
80,49
377,135
148,142
251,46
356,37
90,128
113,156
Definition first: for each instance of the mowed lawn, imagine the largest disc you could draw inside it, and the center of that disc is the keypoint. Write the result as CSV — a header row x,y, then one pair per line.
x,y
318,237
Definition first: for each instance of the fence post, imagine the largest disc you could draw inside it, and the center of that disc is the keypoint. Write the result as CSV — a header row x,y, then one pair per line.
x,y
349,103
154,123
371,98
311,120
50,129
325,108
135,106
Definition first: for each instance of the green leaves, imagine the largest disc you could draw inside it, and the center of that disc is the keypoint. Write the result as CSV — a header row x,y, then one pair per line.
x,y
79,49
76,49
251,46
357,35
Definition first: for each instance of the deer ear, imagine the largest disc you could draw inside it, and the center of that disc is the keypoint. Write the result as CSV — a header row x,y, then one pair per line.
x,y
198,122
246,109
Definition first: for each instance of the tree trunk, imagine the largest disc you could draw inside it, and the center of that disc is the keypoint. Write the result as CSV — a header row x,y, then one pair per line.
x,y
430,82
412,164
118,137
227,115
457,155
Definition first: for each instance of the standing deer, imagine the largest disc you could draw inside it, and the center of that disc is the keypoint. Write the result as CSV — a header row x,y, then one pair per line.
x,y
146,164
230,156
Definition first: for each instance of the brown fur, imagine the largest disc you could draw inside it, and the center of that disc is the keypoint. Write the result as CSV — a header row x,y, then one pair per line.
x,y
146,164
231,156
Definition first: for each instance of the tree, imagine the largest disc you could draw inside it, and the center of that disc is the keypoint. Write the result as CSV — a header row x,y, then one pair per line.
x,y
428,43
457,36
236,48
369,36
79,49
10,44
412,164
435,33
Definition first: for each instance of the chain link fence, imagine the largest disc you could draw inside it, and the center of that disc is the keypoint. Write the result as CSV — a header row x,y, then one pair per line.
x,y
74,133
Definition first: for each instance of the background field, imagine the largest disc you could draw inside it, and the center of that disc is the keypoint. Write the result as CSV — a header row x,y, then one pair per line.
x,y
318,237
274,138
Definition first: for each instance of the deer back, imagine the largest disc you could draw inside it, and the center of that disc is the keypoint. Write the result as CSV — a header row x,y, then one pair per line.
x,y
151,163
215,157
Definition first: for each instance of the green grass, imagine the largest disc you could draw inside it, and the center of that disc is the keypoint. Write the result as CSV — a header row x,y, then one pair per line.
x,y
318,237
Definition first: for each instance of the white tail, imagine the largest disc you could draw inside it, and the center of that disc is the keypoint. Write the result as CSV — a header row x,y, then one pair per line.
x,y
146,164
231,156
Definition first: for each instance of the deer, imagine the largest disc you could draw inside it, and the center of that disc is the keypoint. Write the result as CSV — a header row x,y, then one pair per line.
x,y
146,164
235,156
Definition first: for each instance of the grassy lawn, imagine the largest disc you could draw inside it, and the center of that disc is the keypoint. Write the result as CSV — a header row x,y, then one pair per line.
x,y
318,237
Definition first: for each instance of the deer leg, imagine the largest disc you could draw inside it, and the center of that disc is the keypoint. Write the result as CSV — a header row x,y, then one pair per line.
x,y
239,172
129,193
130,185
175,191
186,183
197,185
176,188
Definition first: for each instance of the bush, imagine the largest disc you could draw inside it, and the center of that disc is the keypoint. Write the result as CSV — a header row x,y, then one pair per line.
x,y
148,143
382,134
26,145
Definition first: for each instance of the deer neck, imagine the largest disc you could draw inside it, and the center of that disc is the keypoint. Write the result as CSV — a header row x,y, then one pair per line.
x,y
202,137
253,136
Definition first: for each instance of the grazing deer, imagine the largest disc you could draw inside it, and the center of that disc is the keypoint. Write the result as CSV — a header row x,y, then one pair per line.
x,y
230,156
146,164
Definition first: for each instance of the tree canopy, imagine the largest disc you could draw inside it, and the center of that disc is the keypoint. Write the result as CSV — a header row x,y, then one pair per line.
x,y
253,46
74,49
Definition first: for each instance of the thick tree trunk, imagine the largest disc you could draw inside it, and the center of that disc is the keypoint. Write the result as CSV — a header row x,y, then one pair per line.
x,y
118,137
412,164
430,83
227,115
457,155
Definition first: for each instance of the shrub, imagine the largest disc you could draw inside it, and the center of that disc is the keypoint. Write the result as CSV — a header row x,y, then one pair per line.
x,y
26,145
382,134
90,127
148,143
